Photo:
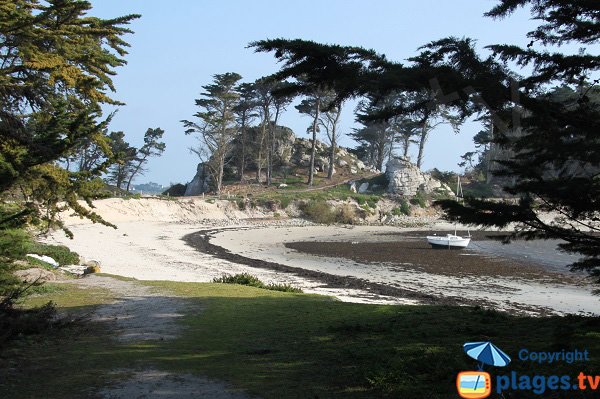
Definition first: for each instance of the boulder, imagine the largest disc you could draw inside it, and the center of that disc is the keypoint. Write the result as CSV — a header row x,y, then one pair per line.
x,y
353,170
363,188
78,270
406,179
341,162
35,274
353,187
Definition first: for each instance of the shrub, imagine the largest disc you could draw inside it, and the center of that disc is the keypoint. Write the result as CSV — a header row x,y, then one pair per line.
x,y
284,202
419,199
60,253
241,204
318,212
242,279
176,190
346,214
403,209
253,281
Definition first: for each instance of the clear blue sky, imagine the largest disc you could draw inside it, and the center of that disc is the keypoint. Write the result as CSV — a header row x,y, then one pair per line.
x,y
179,45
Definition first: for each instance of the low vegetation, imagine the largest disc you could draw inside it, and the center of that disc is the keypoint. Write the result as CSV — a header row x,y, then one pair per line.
x,y
253,281
63,255
279,345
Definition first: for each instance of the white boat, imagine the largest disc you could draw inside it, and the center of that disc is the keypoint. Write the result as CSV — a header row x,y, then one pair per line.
x,y
449,241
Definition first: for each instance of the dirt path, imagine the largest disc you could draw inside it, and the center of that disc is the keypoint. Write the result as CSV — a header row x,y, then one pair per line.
x,y
142,313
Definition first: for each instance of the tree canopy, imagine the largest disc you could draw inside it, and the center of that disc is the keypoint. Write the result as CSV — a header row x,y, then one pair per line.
x,y
56,68
555,159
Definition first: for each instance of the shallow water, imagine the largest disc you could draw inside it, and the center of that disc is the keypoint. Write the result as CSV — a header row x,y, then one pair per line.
x,y
541,252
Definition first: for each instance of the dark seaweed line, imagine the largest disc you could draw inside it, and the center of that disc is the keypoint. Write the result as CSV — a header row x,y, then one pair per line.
x,y
200,240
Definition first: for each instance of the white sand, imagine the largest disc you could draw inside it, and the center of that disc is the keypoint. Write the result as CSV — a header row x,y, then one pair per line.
x,y
148,246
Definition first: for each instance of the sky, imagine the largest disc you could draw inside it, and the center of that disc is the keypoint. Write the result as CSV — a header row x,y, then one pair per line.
x,y
179,45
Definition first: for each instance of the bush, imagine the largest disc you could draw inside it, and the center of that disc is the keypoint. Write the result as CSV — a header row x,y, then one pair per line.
x,y
404,209
176,190
63,255
347,214
318,212
284,202
253,281
419,199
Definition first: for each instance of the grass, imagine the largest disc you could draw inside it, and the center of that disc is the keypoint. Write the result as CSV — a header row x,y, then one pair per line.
x,y
288,345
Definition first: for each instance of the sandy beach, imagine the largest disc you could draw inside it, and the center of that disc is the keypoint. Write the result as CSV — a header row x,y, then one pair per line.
x,y
150,244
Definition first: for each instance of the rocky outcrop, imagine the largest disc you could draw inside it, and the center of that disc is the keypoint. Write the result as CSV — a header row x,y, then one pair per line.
x,y
200,183
406,179
290,152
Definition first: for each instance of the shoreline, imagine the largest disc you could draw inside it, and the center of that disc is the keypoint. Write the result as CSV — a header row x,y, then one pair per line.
x,y
150,244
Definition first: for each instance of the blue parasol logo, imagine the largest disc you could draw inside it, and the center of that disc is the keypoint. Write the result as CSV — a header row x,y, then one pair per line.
x,y
477,384
486,353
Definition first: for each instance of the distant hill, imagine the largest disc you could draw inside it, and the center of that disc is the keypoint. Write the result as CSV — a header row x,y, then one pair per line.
x,y
148,188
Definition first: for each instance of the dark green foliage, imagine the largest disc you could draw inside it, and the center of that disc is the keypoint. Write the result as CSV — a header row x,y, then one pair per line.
x,y
176,190
552,143
253,281
63,255
403,209
56,68
15,323
419,199
478,190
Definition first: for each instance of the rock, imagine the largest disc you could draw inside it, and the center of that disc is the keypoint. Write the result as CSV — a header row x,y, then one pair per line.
x,y
200,182
283,185
342,152
92,263
341,162
360,165
353,170
363,188
78,270
353,187
44,258
92,269
406,179
35,274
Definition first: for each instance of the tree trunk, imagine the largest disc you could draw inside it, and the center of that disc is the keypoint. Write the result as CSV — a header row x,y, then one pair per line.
x,y
422,141
270,159
219,182
488,156
311,172
243,154
260,150
332,156
135,172
405,146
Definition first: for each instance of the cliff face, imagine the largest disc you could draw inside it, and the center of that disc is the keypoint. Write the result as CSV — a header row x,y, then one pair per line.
x,y
406,179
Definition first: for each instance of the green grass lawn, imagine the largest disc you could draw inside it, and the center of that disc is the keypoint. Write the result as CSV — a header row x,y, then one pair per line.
x,y
285,345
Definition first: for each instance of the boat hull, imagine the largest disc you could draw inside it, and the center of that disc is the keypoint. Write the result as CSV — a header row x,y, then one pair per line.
x,y
448,242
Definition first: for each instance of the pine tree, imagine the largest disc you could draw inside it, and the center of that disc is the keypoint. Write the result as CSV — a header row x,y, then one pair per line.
x,y
56,66
217,129
152,147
